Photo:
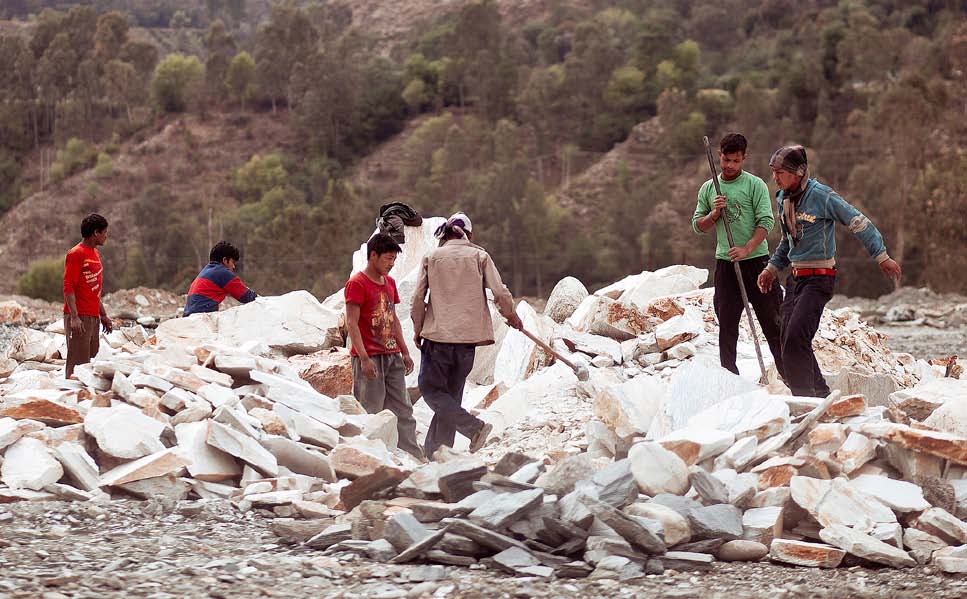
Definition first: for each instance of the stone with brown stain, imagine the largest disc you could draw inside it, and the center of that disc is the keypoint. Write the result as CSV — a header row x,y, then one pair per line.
x,y
801,553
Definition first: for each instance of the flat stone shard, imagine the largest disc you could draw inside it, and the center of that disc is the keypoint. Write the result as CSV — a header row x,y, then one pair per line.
x,y
207,463
629,408
899,495
696,445
801,553
753,414
721,521
28,464
677,329
161,463
639,532
506,508
942,524
762,524
403,530
856,451
242,447
709,488
78,464
560,480
42,406
836,502
658,470
943,445
866,547
123,431
300,458
675,527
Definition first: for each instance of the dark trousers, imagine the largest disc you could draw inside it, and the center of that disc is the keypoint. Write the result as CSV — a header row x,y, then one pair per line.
x,y
444,368
805,299
388,392
729,309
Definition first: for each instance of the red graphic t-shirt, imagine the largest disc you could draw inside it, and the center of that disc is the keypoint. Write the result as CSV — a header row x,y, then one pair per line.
x,y
377,313
82,277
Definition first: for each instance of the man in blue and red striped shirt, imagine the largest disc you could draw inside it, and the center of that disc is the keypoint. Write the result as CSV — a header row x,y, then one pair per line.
x,y
217,280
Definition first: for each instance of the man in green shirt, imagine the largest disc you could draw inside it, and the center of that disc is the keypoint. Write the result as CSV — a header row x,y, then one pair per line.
x,y
745,202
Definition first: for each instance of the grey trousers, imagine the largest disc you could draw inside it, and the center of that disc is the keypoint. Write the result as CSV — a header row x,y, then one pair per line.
x,y
388,392
444,368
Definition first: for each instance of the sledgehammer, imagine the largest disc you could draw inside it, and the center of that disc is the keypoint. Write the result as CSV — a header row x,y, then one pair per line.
x,y
580,369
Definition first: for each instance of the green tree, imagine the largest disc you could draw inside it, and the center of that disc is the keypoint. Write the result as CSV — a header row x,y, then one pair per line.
x,y
176,82
122,86
110,36
286,41
241,77
221,48
260,175
44,279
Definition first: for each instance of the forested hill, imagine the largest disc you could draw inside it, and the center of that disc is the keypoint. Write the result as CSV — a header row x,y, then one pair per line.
x,y
570,130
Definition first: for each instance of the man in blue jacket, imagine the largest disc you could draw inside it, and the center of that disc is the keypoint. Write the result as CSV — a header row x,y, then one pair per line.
x,y
808,213
217,280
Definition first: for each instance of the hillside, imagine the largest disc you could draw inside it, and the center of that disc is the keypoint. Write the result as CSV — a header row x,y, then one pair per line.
x,y
190,158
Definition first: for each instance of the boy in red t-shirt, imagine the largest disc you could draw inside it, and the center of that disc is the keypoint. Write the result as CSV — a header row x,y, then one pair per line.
x,y
380,357
83,278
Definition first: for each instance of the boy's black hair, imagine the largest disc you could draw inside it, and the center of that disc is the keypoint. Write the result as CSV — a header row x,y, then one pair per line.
x,y
91,224
222,250
732,143
381,243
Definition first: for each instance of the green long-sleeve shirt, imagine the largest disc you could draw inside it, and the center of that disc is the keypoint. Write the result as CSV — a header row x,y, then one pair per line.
x,y
748,207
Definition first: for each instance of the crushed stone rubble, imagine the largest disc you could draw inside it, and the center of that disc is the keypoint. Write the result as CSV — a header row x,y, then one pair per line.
x,y
661,462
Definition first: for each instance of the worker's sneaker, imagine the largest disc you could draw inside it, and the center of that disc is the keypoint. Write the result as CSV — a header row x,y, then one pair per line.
x,y
481,437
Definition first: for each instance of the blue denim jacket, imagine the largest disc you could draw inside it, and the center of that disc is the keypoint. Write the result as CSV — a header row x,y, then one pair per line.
x,y
817,213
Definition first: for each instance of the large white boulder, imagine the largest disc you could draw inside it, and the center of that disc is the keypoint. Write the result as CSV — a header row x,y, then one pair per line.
x,y
294,323
565,298
27,464
519,357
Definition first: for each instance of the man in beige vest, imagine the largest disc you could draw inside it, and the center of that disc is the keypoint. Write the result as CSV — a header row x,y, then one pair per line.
x,y
450,324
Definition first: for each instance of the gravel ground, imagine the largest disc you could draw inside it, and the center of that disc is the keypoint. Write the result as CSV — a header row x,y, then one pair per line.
x,y
159,550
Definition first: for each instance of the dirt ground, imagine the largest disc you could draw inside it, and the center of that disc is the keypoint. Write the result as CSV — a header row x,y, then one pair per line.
x,y
160,550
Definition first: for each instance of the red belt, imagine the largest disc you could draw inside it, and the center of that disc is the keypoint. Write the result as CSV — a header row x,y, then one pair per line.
x,y
809,272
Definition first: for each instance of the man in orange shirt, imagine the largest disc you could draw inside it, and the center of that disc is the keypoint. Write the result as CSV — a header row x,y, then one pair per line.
x,y
83,280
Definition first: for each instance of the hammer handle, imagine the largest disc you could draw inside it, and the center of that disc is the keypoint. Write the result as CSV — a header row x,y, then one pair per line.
x,y
547,348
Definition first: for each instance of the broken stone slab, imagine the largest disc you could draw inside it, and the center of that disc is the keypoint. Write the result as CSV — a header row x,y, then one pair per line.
x,y
741,487
300,458
301,397
560,480
359,456
519,357
271,423
11,430
836,502
604,316
876,387
866,547
642,533
628,408
658,470
677,329
762,524
28,464
123,431
528,473
69,493
686,561
122,387
44,406
403,530
675,527
856,451
330,535
950,564
425,480
307,428
943,445
592,345
827,436
506,508
617,567
382,426
481,535
420,547
207,462
78,464
195,412
694,387
891,534
616,484
456,486
167,486
942,524
752,414
696,445
365,487
846,406
801,553
243,447
514,560
899,495
739,455
722,521
12,495
922,544
742,551
330,372
709,488
160,463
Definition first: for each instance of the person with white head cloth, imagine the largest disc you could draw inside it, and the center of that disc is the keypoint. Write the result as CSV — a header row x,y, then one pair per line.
x,y
450,319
